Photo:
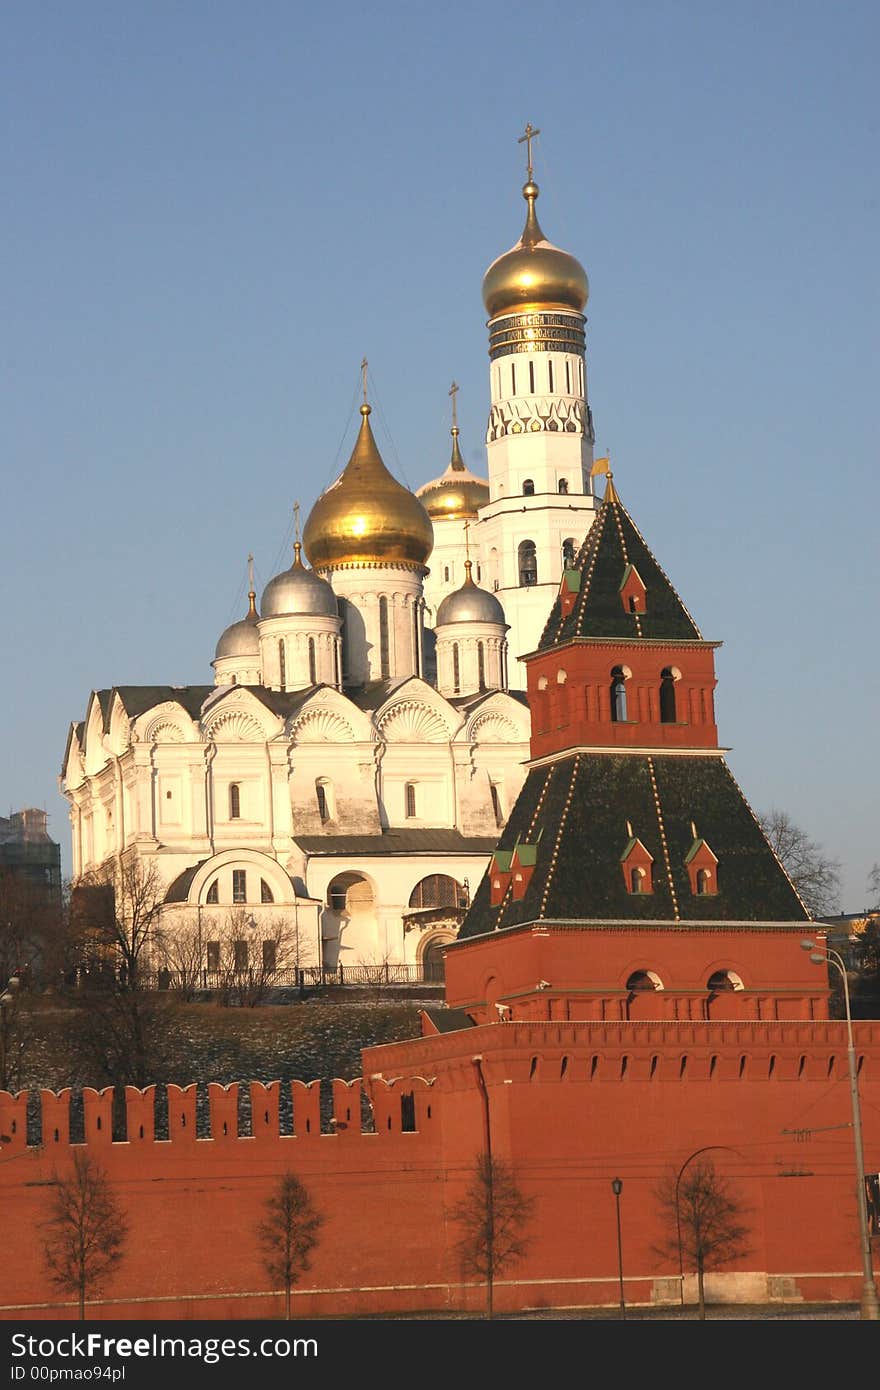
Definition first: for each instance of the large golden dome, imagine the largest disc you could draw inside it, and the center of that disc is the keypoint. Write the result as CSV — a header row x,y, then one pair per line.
x,y
458,493
534,273
367,516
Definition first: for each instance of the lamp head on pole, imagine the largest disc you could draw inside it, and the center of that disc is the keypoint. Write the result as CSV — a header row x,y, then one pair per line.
x,y
617,1186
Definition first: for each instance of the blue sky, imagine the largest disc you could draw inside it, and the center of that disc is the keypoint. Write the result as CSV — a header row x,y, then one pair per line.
x,y
213,211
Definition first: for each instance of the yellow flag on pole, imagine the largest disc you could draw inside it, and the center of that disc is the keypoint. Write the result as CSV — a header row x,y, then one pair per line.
x,y
600,466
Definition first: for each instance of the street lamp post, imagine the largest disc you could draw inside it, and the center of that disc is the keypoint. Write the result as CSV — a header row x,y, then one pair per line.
x,y
617,1188
690,1158
821,952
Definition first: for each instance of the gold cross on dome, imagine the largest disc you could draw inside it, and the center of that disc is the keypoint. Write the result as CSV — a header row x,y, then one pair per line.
x,y
364,370
296,521
467,540
527,139
453,391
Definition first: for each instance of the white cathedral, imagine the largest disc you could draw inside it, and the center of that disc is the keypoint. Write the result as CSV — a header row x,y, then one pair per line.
x,y
359,750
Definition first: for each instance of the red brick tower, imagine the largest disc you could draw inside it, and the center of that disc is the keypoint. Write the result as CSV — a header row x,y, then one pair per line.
x,y
632,879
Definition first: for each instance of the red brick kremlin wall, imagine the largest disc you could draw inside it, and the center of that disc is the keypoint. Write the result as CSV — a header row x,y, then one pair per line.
x,y
571,1105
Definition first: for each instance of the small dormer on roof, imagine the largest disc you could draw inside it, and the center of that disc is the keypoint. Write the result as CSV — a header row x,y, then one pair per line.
x,y
637,865
701,863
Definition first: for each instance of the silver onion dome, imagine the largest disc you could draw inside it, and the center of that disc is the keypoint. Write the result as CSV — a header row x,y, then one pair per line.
x,y
470,604
298,591
241,638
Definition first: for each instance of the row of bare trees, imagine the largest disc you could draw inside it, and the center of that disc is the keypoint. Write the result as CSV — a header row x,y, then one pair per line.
x,y
86,1228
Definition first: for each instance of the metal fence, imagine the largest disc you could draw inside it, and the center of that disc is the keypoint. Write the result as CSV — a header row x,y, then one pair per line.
x,y
304,977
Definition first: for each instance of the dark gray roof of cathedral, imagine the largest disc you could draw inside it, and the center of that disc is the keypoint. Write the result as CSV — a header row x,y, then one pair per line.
x,y
575,815
416,841
613,545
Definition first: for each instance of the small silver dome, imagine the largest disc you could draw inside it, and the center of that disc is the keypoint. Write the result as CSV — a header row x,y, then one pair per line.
x,y
241,639
470,604
298,591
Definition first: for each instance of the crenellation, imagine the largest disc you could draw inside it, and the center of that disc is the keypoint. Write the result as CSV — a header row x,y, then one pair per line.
x,y
98,1116
140,1114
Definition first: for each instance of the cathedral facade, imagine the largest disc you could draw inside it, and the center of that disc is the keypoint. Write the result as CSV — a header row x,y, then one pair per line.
x,y
360,748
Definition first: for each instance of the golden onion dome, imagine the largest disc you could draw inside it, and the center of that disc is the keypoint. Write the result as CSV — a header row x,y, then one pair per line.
x,y
367,516
458,493
534,273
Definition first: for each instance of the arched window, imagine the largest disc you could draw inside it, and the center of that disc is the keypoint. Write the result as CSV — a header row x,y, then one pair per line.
x,y
266,894
568,553
438,890
667,697
724,980
528,488
239,885
410,799
234,802
282,665
704,881
213,893
384,650
618,698
637,880
445,574
456,669
643,980
563,486
528,563
481,666
313,666
324,795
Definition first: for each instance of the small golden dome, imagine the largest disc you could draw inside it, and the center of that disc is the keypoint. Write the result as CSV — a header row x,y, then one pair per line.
x,y
458,493
534,273
367,516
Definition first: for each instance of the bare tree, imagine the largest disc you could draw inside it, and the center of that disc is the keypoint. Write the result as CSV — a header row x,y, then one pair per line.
x,y
33,929
85,1230
874,888
115,914
249,957
116,910
289,1234
179,950
493,1216
16,1032
815,875
704,1221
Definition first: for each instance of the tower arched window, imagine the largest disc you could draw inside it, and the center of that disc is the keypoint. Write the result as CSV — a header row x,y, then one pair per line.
x,y
637,880
384,645
456,669
529,488
481,665
445,574
667,696
568,553
618,695
563,486
234,801
703,881
313,665
410,800
528,563
282,665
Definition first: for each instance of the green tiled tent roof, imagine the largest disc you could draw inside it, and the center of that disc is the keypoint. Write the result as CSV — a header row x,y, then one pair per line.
x,y
586,881
613,545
